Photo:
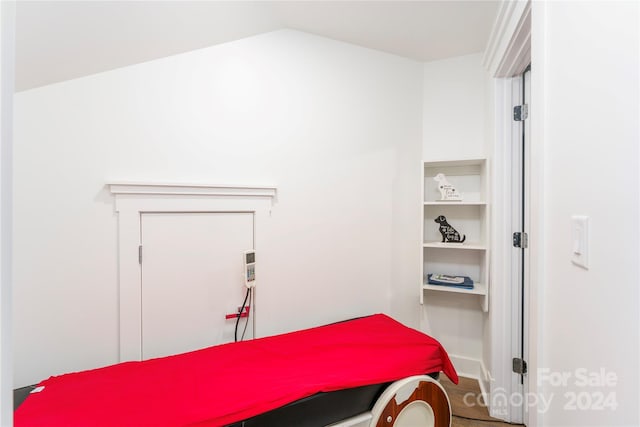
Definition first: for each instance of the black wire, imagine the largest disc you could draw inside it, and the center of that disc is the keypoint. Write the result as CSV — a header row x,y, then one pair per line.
x,y
244,303
246,324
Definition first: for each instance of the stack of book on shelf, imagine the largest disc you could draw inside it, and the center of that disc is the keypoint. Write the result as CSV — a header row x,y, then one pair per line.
x,y
462,282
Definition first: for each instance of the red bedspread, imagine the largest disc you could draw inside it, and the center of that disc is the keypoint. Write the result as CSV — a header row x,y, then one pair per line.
x,y
231,382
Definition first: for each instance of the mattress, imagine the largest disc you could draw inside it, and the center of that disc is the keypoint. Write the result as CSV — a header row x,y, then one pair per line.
x,y
225,384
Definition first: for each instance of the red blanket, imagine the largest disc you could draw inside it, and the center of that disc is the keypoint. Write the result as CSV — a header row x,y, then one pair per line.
x,y
231,382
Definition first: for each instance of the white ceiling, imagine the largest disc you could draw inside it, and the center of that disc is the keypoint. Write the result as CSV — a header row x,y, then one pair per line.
x,y
58,40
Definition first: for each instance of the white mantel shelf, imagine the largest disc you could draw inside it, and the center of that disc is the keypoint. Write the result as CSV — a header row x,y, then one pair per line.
x,y
183,189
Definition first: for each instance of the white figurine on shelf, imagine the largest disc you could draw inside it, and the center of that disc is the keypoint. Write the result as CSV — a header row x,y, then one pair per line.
x,y
447,191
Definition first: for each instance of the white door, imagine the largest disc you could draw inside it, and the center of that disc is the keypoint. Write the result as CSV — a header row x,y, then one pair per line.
x,y
191,277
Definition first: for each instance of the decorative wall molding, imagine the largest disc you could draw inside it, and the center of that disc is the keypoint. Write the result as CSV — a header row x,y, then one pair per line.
x,y
509,49
192,190
134,199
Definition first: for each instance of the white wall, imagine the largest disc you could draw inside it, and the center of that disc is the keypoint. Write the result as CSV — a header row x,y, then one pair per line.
x,y
456,124
455,108
335,127
7,64
585,112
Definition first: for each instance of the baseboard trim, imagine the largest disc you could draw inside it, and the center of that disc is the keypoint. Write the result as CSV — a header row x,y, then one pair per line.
x,y
472,368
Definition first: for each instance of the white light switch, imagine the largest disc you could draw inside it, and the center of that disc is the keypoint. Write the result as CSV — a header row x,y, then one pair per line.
x,y
580,236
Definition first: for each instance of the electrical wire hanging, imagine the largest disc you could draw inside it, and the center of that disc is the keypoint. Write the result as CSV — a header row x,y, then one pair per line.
x,y
244,304
248,313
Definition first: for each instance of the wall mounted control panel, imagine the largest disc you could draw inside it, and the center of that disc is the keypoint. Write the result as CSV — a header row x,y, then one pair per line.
x,y
250,268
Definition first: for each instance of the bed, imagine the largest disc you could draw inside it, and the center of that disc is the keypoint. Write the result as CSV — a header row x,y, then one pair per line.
x,y
374,359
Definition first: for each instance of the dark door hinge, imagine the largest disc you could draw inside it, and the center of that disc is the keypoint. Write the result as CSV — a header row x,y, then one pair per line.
x,y
520,112
519,366
520,240
140,254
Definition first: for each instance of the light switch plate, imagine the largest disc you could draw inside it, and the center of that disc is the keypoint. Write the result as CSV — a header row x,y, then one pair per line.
x,y
580,240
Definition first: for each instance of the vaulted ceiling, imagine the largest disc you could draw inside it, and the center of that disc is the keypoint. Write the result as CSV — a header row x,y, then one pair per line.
x,y
61,40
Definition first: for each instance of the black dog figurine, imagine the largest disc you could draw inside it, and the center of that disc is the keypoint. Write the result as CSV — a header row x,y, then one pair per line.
x,y
449,234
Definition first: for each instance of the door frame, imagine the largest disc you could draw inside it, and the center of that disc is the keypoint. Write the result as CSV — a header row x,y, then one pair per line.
x,y
507,55
513,200
504,315
131,200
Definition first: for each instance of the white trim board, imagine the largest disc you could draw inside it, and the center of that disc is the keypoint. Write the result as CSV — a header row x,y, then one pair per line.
x,y
509,48
192,189
472,368
133,199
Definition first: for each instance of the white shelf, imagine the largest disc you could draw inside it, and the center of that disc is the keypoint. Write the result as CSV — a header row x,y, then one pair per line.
x,y
455,203
465,246
478,289
470,217
443,163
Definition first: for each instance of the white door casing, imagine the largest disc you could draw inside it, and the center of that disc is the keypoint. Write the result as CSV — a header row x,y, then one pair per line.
x,y
507,55
134,199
